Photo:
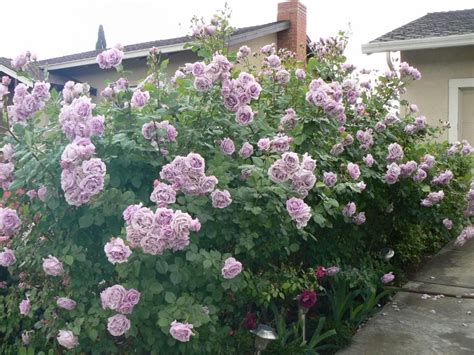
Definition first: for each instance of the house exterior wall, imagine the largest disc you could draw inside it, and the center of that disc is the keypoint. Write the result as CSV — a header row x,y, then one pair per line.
x,y
437,67
466,110
255,45
98,78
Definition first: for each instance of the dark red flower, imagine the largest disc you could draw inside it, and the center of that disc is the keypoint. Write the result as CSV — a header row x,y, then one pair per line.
x,y
307,299
320,272
250,321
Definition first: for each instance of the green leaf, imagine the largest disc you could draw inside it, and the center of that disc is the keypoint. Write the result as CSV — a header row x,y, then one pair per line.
x,y
320,220
162,266
207,264
68,260
86,221
170,297
175,278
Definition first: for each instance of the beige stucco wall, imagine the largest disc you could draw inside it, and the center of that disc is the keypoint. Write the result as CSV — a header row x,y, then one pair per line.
x,y
255,45
466,110
137,68
437,66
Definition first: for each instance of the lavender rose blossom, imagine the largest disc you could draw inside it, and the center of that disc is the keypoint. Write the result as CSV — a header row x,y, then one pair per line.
x,y
67,339
66,303
227,146
25,307
330,178
116,251
52,266
231,268
181,331
387,278
7,257
299,211
118,325
221,198
353,170
246,151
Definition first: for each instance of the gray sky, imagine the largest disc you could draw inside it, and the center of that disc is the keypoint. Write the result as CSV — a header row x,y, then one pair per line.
x,y
58,27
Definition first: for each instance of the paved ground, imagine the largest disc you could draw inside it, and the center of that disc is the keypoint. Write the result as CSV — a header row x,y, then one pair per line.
x,y
420,324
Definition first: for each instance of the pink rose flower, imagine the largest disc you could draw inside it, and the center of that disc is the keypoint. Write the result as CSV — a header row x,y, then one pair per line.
x,y
52,266
448,224
369,160
290,162
278,172
231,268
332,270
466,234
181,331
221,198
299,211
118,325
163,195
420,175
9,221
246,151
130,211
7,257
25,307
140,98
330,179
349,209
308,163
300,74
67,339
42,193
387,278
359,218
227,146
264,144
392,173
432,199
244,115
66,303
116,251
132,296
353,170
112,297
395,152
307,299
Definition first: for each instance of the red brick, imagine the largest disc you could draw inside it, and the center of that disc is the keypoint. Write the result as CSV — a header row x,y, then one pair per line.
x,y
293,39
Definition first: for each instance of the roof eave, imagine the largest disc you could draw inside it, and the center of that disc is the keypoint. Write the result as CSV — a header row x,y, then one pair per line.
x,y
127,55
247,36
419,43
177,47
15,75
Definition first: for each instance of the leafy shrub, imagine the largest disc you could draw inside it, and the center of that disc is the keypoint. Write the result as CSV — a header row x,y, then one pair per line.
x,y
259,174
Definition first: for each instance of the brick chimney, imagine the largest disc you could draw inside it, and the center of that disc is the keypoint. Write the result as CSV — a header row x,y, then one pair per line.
x,y
293,38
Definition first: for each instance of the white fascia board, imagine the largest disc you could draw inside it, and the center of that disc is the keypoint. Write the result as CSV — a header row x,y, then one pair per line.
x,y
421,43
127,55
14,74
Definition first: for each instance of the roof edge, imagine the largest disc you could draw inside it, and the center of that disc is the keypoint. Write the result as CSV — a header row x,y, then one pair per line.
x,y
419,43
126,55
15,75
273,28
177,47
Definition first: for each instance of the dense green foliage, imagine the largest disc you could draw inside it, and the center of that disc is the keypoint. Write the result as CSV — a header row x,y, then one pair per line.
x,y
279,260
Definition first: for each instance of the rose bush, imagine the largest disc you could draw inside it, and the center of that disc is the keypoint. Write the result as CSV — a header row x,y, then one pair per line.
x,y
259,174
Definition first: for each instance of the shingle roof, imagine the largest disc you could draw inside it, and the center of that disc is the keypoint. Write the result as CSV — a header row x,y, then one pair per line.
x,y
435,24
148,45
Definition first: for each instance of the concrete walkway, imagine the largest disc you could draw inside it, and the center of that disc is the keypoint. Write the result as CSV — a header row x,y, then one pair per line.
x,y
423,322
